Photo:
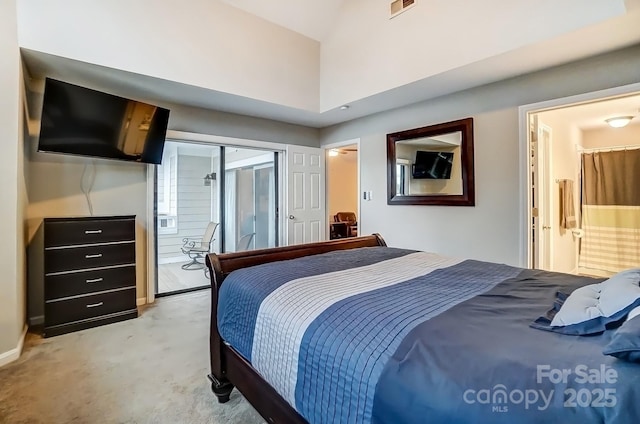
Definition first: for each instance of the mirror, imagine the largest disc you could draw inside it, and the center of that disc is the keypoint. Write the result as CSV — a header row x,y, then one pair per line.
x,y
431,165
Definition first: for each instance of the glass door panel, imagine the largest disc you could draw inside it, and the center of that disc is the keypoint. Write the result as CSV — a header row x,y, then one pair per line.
x,y
250,199
188,201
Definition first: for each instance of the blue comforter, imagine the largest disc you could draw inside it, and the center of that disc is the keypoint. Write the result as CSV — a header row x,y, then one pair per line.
x,y
383,335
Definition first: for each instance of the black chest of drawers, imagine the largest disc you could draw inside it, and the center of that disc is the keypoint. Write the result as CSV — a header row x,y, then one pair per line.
x,y
89,272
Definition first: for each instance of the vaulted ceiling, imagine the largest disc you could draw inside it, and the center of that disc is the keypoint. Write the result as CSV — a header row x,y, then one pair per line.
x,y
300,61
312,18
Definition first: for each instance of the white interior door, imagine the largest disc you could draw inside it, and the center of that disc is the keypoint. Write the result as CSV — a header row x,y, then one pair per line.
x,y
305,195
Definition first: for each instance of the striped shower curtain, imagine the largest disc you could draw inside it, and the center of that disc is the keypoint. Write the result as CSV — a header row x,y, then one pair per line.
x,y
610,211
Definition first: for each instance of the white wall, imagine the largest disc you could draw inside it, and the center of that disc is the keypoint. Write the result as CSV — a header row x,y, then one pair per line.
x,y
611,137
211,44
402,50
219,47
490,230
12,245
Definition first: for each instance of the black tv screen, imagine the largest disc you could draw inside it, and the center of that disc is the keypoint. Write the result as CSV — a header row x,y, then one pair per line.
x,y
81,121
433,165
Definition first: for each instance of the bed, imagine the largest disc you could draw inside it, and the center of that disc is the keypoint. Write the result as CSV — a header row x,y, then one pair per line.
x,y
351,330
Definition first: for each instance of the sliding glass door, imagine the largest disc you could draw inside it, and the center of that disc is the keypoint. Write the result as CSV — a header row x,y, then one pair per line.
x,y
211,199
250,200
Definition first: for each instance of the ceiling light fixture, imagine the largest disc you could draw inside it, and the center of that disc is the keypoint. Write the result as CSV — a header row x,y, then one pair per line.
x,y
334,152
619,121
344,107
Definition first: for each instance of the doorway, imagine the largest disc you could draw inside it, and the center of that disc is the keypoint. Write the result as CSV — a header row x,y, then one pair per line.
x,y
343,187
562,233
211,198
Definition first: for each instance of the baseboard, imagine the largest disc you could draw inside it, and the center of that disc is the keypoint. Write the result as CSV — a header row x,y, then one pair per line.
x,y
141,301
14,354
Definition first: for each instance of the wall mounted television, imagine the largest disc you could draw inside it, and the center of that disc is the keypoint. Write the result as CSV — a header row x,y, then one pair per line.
x,y
81,121
433,165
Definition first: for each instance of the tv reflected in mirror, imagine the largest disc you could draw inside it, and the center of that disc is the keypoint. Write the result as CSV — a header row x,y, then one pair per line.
x,y
433,165
81,121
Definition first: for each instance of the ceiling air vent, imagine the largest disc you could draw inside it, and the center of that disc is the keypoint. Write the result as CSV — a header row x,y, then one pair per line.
x,y
399,6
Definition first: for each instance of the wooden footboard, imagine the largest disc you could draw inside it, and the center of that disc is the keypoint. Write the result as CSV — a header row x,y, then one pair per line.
x,y
228,368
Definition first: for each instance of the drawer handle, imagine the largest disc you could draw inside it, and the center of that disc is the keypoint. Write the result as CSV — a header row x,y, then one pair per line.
x,y
97,255
95,305
95,280
93,231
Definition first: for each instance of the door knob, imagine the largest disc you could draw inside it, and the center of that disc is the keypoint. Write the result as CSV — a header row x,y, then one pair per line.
x,y
546,227
292,217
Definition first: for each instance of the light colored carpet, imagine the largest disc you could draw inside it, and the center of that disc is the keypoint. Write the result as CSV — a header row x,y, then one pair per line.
x,y
171,278
147,370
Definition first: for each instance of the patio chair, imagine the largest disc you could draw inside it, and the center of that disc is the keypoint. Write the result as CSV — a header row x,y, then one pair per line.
x,y
196,248
244,242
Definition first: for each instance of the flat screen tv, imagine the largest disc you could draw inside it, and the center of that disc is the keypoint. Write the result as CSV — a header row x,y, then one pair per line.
x,y
80,121
433,165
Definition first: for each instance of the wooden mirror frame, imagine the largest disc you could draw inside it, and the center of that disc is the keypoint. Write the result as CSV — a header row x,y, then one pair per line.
x,y
467,198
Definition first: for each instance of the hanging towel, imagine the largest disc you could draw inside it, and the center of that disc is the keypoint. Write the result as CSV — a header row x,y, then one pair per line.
x,y
567,211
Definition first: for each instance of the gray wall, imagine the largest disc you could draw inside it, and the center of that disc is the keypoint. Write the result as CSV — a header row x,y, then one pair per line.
x,y
490,230
12,187
121,187
204,121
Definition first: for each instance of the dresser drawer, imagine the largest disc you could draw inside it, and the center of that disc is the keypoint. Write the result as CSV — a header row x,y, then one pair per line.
x,y
78,258
88,231
89,306
76,283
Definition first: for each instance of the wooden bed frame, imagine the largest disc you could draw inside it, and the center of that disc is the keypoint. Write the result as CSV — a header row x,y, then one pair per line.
x,y
228,368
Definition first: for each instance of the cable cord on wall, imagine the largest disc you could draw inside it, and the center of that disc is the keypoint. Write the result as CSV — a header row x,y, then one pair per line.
x,y
86,183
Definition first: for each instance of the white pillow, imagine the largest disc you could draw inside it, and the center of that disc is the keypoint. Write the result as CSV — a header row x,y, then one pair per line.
x,y
581,305
594,306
